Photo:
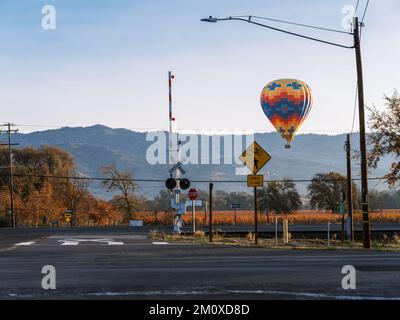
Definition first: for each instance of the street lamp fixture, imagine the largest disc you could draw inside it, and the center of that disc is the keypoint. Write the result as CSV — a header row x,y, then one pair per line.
x,y
209,19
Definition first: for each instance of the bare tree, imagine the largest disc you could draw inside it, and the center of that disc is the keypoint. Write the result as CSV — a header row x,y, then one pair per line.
x,y
122,182
74,193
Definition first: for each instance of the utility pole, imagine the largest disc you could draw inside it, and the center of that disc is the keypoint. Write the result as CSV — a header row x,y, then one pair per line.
x,y
205,214
349,188
11,174
255,217
341,207
210,190
363,147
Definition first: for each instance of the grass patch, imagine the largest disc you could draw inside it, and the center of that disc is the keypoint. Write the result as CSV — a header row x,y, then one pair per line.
x,y
303,244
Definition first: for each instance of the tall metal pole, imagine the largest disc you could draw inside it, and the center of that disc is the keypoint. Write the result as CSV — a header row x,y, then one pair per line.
x,y
341,205
255,217
205,213
363,147
11,177
170,116
349,188
172,158
193,218
210,190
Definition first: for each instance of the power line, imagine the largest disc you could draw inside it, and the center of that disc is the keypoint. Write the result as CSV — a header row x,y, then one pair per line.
x,y
283,31
294,23
363,18
356,95
355,12
222,131
163,180
365,12
355,110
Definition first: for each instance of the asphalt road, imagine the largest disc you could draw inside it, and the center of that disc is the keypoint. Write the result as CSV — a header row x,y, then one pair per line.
x,y
122,263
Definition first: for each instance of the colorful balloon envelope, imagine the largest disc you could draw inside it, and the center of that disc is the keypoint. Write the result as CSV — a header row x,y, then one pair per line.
x,y
286,103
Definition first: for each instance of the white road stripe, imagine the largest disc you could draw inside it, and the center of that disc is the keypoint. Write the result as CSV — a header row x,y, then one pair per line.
x,y
160,242
69,243
113,243
28,243
258,292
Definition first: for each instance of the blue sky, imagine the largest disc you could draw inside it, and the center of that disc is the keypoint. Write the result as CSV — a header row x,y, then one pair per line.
x,y
107,62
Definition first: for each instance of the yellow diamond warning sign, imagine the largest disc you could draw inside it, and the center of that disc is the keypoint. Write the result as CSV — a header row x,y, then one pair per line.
x,y
255,157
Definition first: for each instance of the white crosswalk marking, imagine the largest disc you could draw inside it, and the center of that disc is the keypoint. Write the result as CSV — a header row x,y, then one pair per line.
x,y
74,242
69,243
25,243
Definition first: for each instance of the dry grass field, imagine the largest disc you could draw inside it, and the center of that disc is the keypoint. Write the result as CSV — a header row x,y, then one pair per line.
x,y
247,217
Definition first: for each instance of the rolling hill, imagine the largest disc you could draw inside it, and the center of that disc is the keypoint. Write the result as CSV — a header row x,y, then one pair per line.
x,y
95,146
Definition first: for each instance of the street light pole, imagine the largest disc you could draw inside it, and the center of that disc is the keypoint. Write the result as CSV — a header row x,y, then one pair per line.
x,y
10,157
363,149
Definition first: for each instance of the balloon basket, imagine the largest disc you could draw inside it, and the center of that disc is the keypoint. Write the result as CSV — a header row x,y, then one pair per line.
x,y
288,146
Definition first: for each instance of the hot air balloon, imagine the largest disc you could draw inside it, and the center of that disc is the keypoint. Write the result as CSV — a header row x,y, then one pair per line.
x,y
286,103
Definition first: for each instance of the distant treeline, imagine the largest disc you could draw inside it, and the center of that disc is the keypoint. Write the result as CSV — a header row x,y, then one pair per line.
x,y
41,197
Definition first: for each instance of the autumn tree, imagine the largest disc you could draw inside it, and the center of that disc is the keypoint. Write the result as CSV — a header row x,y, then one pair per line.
x,y
74,192
39,207
86,215
121,182
47,183
31,166
105,214
385,136
325,189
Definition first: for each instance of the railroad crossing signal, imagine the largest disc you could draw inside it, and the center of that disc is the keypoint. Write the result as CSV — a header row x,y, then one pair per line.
x,y
177,166
67,215
255,157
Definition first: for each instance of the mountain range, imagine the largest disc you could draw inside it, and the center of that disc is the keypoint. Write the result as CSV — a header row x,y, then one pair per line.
x,y
98,145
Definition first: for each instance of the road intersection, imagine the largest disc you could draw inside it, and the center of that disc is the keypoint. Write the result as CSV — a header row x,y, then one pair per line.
x,y
124,264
